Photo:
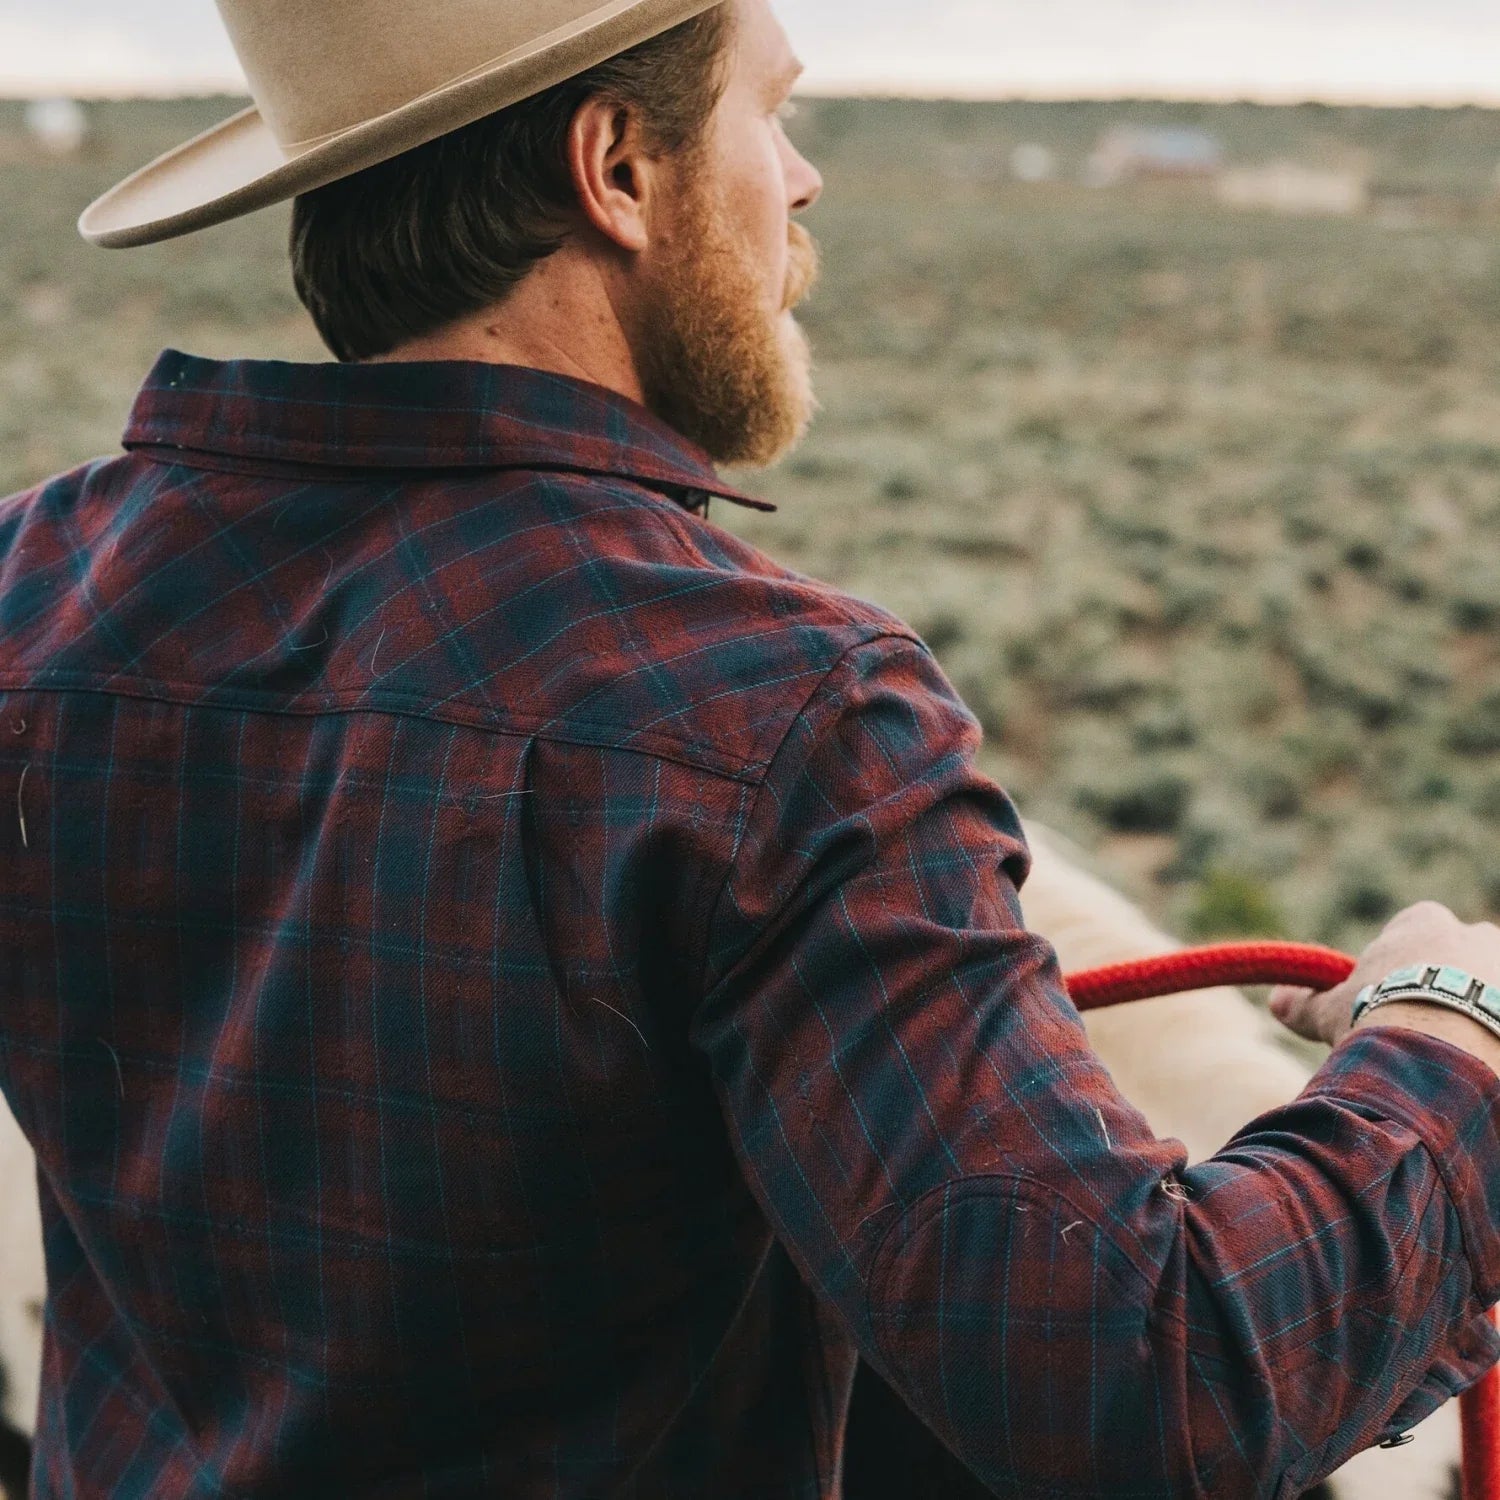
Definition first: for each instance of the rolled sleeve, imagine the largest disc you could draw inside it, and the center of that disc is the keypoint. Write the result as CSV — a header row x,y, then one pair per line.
x,y
915,1105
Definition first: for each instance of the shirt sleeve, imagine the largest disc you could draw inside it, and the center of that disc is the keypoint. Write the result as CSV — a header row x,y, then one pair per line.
x,y
915,1105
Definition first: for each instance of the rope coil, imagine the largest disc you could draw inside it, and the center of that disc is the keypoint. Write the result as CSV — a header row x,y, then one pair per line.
x,y
1315,969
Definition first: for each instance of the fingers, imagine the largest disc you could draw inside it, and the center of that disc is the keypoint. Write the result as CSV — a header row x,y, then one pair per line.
x,y
1316,1017
1285,998
1425,933
1296,1010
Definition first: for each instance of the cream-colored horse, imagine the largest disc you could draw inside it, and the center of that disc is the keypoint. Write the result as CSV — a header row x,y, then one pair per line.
x,y
1199,1067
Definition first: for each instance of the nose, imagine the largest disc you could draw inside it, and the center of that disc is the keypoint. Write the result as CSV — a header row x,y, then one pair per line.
x,y
804,182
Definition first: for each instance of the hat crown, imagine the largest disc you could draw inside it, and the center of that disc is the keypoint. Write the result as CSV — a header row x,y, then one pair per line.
x,y
318,68
343,85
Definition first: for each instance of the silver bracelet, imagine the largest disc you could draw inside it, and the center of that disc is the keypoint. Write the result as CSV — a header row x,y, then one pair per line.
x,y
1443,1003
1434,984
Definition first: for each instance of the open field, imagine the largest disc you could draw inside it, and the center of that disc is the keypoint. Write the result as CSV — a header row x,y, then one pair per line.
x,y
1200,507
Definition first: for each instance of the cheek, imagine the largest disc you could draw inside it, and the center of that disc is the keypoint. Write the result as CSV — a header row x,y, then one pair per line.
x,y
756,201
771,220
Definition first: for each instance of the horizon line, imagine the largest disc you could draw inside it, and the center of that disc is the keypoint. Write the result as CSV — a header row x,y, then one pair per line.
x,y
13,90
1290,98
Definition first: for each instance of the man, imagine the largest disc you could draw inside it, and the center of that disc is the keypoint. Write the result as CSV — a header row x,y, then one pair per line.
x,y
511,991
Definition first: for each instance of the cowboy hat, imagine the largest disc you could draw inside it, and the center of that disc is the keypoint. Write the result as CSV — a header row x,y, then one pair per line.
x,y
341,85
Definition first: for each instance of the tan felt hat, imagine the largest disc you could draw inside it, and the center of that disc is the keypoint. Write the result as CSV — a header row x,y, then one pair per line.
x,y
340,85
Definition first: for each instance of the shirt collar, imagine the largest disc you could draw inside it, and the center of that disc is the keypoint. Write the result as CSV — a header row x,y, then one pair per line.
x,y
439,415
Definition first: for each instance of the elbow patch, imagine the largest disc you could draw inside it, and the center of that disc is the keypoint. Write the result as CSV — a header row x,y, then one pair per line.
x,y
1021,1333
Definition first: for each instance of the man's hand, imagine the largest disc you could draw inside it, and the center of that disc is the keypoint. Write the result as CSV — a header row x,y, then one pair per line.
x,y
1424,934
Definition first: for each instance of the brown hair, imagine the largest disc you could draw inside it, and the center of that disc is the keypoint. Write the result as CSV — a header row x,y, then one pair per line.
x,y
415,243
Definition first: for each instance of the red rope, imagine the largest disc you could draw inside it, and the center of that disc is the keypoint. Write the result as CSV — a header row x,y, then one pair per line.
x,y
1203,968
1316,969
1479,1411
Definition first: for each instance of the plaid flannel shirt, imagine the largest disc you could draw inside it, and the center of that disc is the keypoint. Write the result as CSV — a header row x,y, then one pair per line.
x,y
512,991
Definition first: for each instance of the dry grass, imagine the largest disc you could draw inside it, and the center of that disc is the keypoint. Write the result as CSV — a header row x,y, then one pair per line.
x,y
1200,508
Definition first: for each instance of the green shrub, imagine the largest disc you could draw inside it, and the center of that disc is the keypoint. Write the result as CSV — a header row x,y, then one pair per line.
x,y
1476,729
1231,904
1474,597
1144,802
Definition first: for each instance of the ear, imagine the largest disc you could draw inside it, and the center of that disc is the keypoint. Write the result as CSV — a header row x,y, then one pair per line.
x,y
613,173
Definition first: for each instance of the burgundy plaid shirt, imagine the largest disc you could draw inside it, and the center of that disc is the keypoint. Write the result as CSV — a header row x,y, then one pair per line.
x,y
511,990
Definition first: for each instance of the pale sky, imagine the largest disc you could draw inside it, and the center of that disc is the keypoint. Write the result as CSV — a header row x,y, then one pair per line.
x,y
1440,51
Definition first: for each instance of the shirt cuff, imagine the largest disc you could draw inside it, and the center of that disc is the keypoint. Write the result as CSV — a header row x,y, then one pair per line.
x,y
1451,1102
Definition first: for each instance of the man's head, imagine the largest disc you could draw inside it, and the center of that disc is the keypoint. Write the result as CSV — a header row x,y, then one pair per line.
x,y
653,194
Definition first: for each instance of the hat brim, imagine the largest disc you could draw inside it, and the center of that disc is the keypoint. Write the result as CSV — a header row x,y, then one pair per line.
x,y
238,166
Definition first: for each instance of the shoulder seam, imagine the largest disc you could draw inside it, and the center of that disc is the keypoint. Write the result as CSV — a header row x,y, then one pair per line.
x,y
749,803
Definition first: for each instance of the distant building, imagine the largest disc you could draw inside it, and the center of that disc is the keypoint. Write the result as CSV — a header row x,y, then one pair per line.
x,y
1287,187
58,126
1413,206
1129,153
972,165
1033,163
991,166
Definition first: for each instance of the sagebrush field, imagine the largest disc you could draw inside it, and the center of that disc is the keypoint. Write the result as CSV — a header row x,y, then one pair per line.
x,y
1199,506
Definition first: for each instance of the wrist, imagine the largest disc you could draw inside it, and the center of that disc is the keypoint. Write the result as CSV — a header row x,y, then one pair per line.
x,y
1435,1020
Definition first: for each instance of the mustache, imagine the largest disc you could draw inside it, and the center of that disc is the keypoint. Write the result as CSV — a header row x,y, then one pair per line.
x,y
804,267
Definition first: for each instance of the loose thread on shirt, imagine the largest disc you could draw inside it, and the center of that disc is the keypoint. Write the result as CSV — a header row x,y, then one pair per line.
x,y
119,1071
20,809
1176,1191
1076,1224
626,1019
1109,1145
375,654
